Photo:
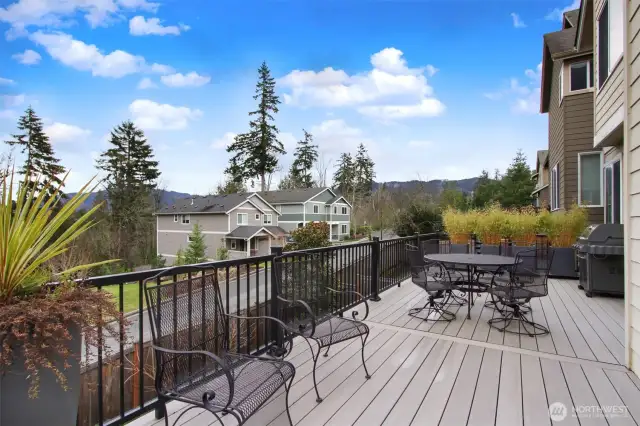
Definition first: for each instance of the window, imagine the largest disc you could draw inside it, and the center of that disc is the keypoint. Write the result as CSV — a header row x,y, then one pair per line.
x,y
610,44
335,210
267,219
590,179
257,216
343,229
612,193
581,75
243,219
189,239
316,209
175,217
186,219
555,189
344,210
233,244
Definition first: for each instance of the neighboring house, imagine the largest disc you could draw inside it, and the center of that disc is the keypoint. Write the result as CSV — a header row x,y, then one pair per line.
x,y
246,224
540,193
298,207
575,166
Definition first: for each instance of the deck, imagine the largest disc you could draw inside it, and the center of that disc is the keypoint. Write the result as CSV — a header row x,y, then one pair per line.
x,y
463,372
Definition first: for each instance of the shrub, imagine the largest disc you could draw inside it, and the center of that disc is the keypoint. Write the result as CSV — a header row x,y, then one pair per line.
x,y
563,228
418,217
222,253
310,236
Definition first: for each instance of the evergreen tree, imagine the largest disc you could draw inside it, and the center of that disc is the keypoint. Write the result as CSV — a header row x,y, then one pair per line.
x,y
131,175
196,251
451,196
364,173
40,158
305,157
255,153
180,260
230,185
517,183
486,190
344,177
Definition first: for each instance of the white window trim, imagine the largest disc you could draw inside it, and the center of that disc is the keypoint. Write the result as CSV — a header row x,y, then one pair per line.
x,y
186,219
613,62
344,230
580,154
267,219
555,201
345,210
233,244
188,238
176,218
619,208
316,209
589,82
238,222
257,216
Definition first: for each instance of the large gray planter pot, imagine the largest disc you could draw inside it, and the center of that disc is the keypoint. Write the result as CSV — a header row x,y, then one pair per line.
x,y
489,249
459,248
564,263
53,406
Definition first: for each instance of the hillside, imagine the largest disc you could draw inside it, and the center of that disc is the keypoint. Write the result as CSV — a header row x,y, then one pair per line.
x,y
168,197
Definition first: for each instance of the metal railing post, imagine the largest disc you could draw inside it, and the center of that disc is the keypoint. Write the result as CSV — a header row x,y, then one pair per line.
x,y
375,261
276,331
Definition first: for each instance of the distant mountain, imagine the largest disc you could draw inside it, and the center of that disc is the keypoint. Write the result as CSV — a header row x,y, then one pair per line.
x,y
168,198
432,186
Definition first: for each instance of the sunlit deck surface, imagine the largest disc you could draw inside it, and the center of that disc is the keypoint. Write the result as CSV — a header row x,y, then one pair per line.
x,y
462,372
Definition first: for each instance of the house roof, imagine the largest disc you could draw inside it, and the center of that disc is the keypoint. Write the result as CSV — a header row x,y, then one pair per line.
x,y
246,232
572,16
206,204
290,195
543,157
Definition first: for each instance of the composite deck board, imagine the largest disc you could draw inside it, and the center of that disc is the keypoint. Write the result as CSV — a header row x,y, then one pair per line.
x,y
460,379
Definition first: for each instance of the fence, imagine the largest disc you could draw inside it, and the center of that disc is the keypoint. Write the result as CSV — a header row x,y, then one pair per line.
x,y
118,384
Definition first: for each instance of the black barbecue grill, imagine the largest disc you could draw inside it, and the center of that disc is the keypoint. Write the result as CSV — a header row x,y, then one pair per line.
x,y
600,256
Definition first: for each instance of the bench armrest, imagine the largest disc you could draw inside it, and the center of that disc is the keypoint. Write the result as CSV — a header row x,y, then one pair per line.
x,y
354,313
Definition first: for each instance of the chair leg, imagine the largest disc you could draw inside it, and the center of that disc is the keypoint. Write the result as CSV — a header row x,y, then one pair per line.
x,y
364,364
517,314
165,413
287,389
315,355
326,354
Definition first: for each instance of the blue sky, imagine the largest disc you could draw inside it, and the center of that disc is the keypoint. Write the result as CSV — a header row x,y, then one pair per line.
x,y
434,89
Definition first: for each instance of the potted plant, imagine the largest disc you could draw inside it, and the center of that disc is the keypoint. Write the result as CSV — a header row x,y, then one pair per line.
x,y
459,225
42,326
489,228
563,229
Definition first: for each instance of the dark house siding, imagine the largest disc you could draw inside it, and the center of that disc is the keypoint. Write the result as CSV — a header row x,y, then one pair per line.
x,y
556,130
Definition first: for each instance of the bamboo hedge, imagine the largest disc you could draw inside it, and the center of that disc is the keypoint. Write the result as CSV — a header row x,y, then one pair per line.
x,y
493,223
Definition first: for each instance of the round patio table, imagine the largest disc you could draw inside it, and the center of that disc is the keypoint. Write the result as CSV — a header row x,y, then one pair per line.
x,y
472,262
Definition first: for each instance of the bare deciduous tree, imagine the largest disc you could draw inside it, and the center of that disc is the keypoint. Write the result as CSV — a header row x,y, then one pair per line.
x,y
322,166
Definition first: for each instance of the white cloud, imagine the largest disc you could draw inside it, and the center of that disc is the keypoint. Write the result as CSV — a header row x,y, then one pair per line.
x,y
336,136
161,69
557,13
146,83
25,13
87,57
6,82
139,26
524,97
8,114
224,141
390,87
151,115
11,101
517,22
61,132
192,79
28,57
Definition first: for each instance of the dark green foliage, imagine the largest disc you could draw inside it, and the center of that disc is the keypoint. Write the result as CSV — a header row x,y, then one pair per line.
x,y
305,157
196,251
420,217
40,158
255,153
230,185
158,262
222,253
131,176
487,190
517,183
312,235
364,172
343,178
451,196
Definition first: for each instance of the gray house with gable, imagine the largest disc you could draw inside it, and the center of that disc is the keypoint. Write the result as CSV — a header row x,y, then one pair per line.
x,y
298,207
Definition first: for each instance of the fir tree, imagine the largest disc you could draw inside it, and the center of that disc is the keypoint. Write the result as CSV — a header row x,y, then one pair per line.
x,y
517,183
131,175
364,173
40,158
343,178
306,156
196,251
230,185
255,153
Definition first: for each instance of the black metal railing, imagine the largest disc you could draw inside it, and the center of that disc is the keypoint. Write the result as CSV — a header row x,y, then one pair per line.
x,y
117,385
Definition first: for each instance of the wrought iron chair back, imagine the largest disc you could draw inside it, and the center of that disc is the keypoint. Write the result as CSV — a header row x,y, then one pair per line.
x,y
531,273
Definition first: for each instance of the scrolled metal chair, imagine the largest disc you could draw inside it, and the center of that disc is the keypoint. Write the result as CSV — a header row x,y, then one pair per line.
x,y
313,294
191,341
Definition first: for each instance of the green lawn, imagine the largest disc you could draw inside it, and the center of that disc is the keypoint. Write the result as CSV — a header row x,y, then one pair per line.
x,y
131,297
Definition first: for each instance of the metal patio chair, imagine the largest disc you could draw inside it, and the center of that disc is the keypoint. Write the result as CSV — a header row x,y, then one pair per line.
x,y
528,280
191,342
435,246
435,279
313,293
